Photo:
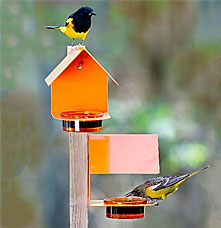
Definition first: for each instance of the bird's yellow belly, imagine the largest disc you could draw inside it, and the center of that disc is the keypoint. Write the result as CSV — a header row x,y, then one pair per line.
x,y
72,34
162,193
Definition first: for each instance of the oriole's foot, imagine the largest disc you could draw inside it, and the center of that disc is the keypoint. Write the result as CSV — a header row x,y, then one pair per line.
x,y
82,43
155,202
72,44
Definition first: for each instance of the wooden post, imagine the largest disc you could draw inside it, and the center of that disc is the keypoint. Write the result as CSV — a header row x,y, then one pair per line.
x,y
78,143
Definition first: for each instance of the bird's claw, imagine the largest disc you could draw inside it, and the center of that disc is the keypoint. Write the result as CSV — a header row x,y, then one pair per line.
x,y
156,203
82,43
72,44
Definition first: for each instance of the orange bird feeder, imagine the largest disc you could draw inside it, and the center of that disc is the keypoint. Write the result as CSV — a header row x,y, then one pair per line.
x,y
79,91
79,97
116,208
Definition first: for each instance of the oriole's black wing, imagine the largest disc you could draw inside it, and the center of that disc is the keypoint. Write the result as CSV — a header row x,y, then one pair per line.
x,y
80,26
154,181
169,181
141,189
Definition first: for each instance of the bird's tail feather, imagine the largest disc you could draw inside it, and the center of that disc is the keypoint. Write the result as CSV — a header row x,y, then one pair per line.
x,y
197,171
53,27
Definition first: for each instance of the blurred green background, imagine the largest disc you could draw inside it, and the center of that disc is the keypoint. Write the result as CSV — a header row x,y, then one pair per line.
x,y
166,57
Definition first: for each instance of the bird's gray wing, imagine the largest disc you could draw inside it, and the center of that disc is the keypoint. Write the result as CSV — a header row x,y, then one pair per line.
x,y
140,190
154,181
169,181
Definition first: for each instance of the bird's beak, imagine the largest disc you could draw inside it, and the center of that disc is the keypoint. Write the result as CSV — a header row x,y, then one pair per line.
x,y
93,13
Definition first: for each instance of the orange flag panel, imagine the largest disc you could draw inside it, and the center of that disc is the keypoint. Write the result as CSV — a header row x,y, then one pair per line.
x,y
123,154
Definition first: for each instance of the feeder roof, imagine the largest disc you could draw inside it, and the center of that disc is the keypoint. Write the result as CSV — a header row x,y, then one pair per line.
x,y
72,53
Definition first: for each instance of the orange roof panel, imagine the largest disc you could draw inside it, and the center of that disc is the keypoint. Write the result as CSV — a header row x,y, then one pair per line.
x,y
72,54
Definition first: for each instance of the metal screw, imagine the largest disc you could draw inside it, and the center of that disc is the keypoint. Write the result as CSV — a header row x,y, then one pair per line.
x,y
80,66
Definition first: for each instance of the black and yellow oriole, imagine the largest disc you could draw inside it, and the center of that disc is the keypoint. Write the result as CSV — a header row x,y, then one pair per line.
x,y
160,187
77,25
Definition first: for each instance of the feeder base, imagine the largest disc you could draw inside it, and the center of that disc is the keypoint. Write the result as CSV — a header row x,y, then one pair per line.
x,y
84,126
125,208
125,212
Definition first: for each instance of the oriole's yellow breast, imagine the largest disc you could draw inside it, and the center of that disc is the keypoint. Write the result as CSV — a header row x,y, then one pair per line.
x,y
70,32
160,193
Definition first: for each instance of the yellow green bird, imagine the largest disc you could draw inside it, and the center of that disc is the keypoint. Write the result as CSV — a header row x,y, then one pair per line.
x,y
77,25
159,188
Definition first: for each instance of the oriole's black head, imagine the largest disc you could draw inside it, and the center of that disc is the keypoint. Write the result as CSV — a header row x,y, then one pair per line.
x,y
84,13
82,19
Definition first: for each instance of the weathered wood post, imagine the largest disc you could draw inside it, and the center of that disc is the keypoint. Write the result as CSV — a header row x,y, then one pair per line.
x,y
78,179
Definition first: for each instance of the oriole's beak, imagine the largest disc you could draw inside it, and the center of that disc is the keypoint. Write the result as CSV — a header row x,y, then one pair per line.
x,y
93,13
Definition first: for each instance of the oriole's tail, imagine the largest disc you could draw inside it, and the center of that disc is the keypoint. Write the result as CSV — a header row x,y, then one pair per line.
x,y
53,27
197,171
187,176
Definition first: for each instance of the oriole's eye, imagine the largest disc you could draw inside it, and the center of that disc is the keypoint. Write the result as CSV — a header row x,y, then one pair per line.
x,y
66,23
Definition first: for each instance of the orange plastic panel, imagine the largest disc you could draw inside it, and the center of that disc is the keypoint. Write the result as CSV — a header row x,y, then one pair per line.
x,y
82,86
123,154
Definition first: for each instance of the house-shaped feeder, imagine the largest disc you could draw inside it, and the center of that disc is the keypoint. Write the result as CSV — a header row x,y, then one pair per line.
x,y
79,91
